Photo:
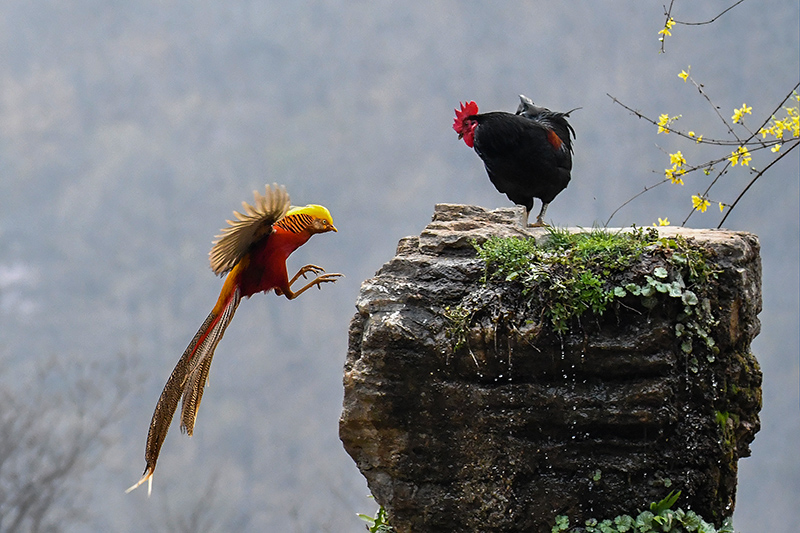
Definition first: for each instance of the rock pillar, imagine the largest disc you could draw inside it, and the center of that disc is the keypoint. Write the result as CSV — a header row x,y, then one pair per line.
x,y
520,423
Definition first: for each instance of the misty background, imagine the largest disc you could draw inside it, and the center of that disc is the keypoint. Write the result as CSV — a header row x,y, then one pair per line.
x,y
130,131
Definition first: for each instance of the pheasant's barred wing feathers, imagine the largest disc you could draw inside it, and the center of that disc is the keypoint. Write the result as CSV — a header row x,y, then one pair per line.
x,y
254,223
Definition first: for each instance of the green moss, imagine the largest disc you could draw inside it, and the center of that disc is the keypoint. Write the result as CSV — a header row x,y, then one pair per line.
x,y
580,273
568,270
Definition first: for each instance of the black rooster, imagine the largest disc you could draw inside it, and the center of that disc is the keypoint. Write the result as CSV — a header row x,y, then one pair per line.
x,y
527,155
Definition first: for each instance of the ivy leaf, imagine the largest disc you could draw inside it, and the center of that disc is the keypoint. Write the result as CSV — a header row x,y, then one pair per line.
x,y
634,289
689,298
660,272
624,523
675,290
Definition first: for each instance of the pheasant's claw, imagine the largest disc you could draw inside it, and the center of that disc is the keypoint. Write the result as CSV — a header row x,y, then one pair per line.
x,y
310,268
323,278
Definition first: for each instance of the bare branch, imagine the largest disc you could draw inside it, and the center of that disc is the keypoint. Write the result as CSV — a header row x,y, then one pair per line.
x,y
716,110
735,202
718,142
634,197
710,21
745,143
668,15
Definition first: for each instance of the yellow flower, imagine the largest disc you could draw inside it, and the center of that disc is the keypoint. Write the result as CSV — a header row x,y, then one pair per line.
x,y
746,157
677,159
721,207
778,127
669,24
701,204
776,148
699,139
739,113
663,221
670,174
740,156
684,75
690,134
664,120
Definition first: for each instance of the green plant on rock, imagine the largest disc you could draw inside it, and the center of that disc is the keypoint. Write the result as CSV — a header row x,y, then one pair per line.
x,y
571,272
458,318
570,275
659,518
379,523
567,270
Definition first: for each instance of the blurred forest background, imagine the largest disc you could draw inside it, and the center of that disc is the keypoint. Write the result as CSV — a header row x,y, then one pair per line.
x,y
129,131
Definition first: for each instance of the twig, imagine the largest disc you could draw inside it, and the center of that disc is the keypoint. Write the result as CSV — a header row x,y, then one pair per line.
x,y
719,142
707,21
769,117
754,180
716,110
668,15
634,197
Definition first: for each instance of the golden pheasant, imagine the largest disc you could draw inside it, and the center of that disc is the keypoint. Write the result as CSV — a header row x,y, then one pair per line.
x,y
252,250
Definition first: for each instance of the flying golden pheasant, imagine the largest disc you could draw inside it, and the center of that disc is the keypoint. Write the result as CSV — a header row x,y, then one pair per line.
x,y
253,251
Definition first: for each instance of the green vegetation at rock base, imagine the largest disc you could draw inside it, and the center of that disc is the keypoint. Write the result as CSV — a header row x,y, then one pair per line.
x,y
660,518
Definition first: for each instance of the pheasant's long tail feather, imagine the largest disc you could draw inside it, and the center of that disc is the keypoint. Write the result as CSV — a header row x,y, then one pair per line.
x,y
197,378
187,380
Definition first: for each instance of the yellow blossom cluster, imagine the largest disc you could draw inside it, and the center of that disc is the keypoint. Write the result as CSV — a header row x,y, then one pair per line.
x,y
781,130
778,127
739,113
664,121
674,173
700,203
665,30
740,156
698,138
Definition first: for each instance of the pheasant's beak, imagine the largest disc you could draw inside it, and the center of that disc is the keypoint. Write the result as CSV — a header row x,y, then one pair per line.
x,y
460,136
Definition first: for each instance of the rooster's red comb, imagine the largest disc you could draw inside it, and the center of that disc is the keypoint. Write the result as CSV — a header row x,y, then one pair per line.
x,y
467,109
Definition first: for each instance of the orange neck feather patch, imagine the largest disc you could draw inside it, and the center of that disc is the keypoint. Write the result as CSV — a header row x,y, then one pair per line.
x,y
554,139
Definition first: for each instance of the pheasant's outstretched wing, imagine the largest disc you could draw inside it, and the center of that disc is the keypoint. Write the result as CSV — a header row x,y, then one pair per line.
x,y
250,226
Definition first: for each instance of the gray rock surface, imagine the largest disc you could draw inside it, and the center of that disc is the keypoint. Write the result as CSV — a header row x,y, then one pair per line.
x,y
522,424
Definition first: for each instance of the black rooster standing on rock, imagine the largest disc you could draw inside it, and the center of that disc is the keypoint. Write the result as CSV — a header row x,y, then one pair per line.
x,y
527,155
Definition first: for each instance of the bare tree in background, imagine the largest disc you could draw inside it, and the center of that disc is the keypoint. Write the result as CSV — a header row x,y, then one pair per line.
x,y
53,430
206,515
